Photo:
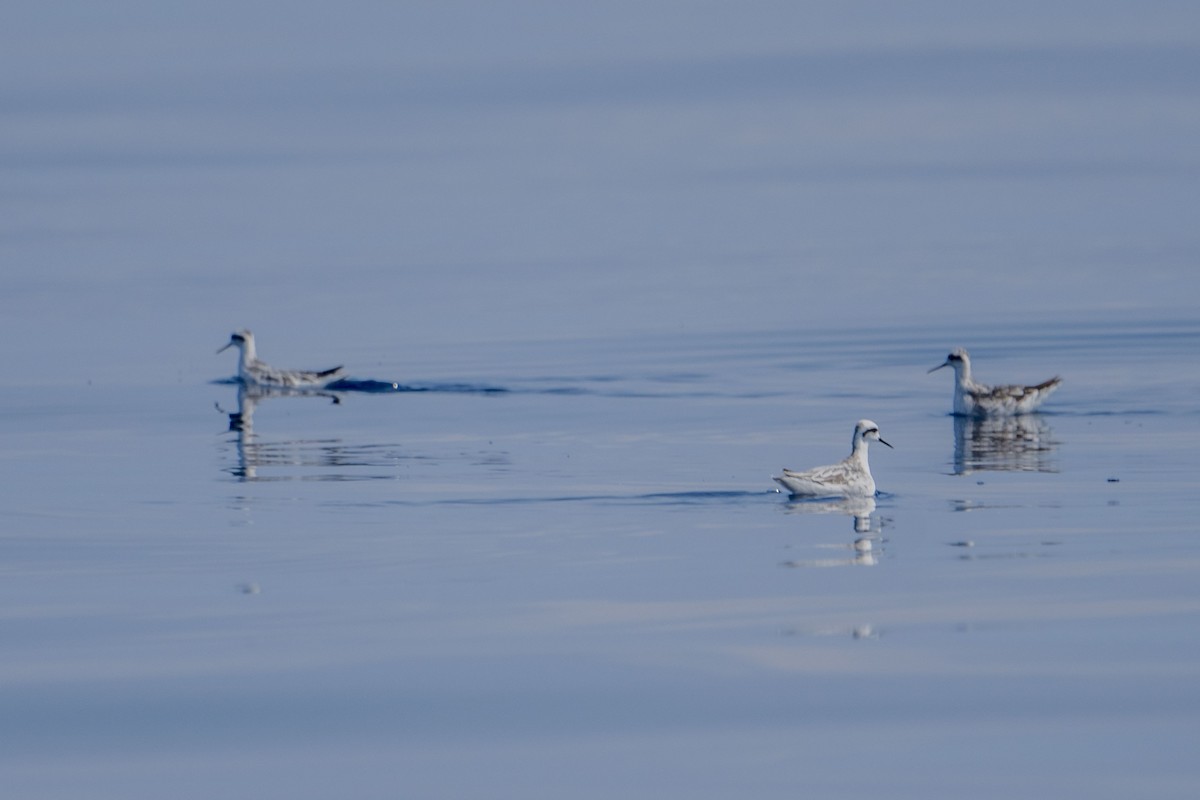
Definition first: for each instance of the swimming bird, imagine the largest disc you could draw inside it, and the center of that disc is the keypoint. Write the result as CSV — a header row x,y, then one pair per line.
x,y
252,372
973,399
850,477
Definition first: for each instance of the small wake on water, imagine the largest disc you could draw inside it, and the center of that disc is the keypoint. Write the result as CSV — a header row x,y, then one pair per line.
x,y
684,498
371,386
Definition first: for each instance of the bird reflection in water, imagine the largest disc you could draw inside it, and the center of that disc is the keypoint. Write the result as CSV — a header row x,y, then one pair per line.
x,y
1022,443
251,453
867,544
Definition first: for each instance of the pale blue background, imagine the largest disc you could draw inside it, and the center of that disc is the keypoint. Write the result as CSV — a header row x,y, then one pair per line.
x,y
693,242
463,171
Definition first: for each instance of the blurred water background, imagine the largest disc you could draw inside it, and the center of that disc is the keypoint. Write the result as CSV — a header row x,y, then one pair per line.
x,y
628,260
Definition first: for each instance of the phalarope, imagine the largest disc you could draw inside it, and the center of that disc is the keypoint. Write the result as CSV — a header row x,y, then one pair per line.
x,y
850,477
973,399
252,372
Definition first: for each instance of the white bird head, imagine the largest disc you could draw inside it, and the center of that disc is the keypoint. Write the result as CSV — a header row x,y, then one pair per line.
x,y
958,359
867,431
243,340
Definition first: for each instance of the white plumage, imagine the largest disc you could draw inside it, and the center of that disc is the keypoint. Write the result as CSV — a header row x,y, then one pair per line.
x,y
252,372
850,477
974,399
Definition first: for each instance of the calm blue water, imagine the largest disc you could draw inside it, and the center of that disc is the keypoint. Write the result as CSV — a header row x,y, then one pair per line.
x,y
627,264
585,586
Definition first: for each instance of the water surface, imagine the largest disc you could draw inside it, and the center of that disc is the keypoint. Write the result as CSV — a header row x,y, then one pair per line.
x,y
596,276
594,591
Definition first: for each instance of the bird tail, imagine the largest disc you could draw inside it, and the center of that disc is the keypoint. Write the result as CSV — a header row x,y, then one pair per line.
x,y
1050,384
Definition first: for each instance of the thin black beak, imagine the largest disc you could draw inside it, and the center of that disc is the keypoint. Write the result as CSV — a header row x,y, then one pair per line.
x,y
881,441
945,363
228,345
